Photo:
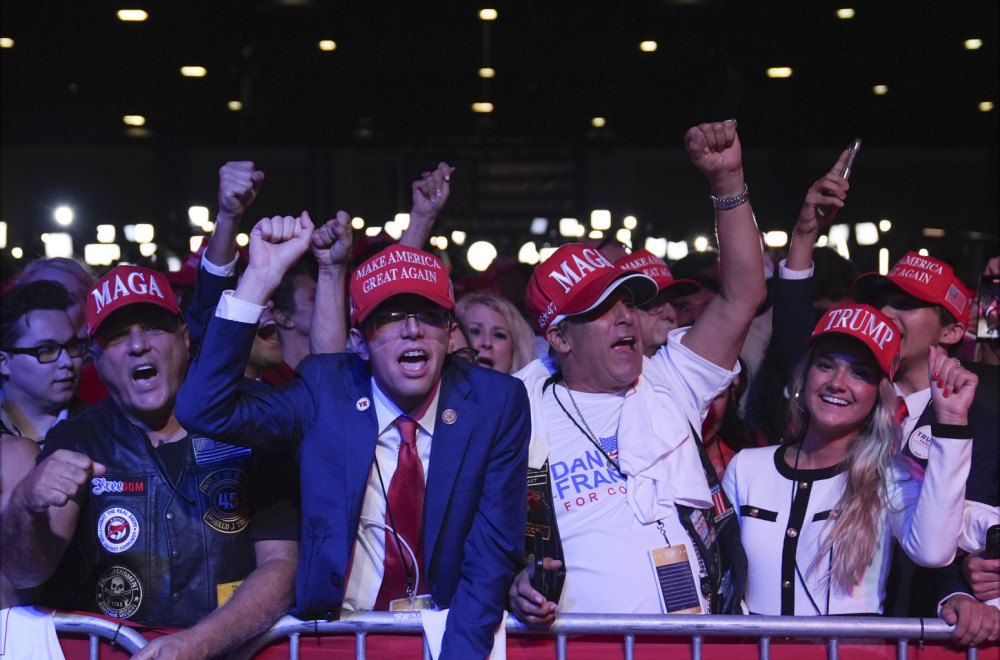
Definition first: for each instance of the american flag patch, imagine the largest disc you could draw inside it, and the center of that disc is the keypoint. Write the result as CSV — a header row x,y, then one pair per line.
x,y
719,500
208,451
610,446
956,298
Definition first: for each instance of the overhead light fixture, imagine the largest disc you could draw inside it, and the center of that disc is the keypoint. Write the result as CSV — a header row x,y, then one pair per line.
x,y
242,239
198,215
63,216
624,236
676,250
657,246
779,72
545,252
880,90
700,243
973,44
132,15
358,223
147,249
194,243
600,219
985,106
105,233
884,225
3,235
923,252
58,244
933,232
372,231
488,14
845,13
458,237
567,226
866,233
6,42
528,254
17,252
648,46
630,222
595,234
776,239
193,71
482,106
539,226
133,120
235,106
402,220
481,254
883,261
328,45
143,233
393,230
487,72
598,122
101,254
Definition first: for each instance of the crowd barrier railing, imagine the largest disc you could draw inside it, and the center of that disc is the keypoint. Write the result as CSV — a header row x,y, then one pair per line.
x,y
95,629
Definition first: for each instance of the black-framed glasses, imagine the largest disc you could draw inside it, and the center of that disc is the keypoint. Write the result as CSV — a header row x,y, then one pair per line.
x,y
46,353
433,318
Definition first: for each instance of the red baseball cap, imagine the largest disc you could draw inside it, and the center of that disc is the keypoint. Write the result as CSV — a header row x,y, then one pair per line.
x,y
652,266
926,278
865,323
127,285
396,270
575,279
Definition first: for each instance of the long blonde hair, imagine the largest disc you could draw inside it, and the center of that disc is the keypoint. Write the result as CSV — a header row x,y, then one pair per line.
x,y
521,336
856,516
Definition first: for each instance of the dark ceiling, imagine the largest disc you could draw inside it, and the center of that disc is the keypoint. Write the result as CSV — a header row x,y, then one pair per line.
x,y
405,72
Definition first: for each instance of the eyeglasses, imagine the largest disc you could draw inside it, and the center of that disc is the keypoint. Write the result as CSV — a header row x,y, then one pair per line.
x,y
47,353
433,318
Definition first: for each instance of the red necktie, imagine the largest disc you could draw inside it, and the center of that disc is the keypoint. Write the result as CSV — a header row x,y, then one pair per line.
x,y
902,411
404,513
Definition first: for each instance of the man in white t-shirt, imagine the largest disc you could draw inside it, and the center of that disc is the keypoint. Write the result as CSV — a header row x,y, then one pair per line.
x,y
635,513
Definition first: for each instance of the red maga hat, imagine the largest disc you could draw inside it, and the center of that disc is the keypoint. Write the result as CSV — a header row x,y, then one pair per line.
x,y
575,280
396,270
652,266
926,278
127,285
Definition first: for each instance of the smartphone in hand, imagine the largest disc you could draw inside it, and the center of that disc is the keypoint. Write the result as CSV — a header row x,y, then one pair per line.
x,y
829,212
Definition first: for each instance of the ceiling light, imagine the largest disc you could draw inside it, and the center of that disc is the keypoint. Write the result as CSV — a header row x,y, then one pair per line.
x,y
845,13
101,254
567,226
545,252
482,106
595,234
923,252
880,90
458,237
358,223
624,236
488,14
657,246
105,233
600,219
676,251
528,254
328,45
63,216
630,222
776,239
402,220
235,105
779,72
198,215
481,254
143,233
17,252
487,72
372,231
193,71
883,261
242,239
985,106
933,232
973,44
866,233
884,225
132,15
598,122
539,226
147,249
3,235
194,243
393,230
134,120
173,263
647,46
6,42
700,243
58,244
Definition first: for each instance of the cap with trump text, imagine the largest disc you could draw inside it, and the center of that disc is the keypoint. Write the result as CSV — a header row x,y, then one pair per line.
x,y
866,324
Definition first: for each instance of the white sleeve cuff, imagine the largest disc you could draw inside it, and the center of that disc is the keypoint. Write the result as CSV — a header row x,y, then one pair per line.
x,y
220,271
786,273
232,308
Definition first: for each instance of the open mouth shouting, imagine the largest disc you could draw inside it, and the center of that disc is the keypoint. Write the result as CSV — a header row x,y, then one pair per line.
x,y
413,362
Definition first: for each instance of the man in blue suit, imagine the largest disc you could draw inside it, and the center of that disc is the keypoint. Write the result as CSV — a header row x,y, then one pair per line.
x,y
364,468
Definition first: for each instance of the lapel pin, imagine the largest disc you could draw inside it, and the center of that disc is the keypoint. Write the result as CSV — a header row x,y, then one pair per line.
x,y
363,404
449,416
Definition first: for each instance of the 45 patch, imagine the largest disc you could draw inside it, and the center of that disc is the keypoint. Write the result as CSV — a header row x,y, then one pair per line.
x,y
228,509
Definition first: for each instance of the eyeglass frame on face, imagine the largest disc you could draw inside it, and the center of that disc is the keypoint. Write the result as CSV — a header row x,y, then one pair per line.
x,y
382,321
81,345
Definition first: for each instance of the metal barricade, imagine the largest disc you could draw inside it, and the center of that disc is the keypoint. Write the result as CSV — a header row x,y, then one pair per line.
x,y
765,628
96,628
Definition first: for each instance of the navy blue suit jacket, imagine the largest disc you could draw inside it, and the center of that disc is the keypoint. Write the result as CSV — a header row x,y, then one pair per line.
x,y
474,511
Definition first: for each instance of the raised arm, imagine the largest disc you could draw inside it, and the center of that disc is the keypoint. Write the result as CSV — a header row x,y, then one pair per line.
x,y
40,518
239,183
831,190
430,192
263,597
331,244
719,334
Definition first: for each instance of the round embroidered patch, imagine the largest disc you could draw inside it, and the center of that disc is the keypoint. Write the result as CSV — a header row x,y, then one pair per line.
x,y
227,502
117,529
119,593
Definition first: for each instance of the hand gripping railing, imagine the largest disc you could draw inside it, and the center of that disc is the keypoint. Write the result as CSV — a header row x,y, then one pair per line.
x,y
96,628
832,628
